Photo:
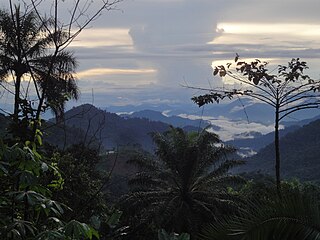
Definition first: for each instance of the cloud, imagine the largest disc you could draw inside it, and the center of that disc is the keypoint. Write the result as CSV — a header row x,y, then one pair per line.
x,y
179,40
230,128
295,29
97,37
112,71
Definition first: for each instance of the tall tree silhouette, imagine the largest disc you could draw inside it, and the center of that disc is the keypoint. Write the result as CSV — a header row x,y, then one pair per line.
x,y
26,51
287,91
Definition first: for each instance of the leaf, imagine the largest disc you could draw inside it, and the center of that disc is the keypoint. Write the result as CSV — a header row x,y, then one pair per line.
x,y
222,73
3,168
78,230
184,236
27,178
39,139
236,58
256,80
215,72
163,235
114,218
50,235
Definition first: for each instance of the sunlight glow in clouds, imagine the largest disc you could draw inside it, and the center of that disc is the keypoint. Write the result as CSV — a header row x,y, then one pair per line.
x,y
267,34
265,28
113,71
100,37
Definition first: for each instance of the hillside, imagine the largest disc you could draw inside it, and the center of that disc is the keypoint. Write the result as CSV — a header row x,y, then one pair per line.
x,y
64,136
299,155
260,141
112,130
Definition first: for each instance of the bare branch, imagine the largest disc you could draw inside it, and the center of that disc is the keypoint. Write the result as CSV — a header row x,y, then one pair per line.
x,y
300,106
250,84
298,109
286,96
286,103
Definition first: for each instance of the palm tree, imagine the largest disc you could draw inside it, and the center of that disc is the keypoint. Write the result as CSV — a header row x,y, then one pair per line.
x,y
296,215
186,185
26,50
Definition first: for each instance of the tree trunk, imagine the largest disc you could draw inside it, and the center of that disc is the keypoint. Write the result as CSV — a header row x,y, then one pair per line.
x,y
16,99
277,151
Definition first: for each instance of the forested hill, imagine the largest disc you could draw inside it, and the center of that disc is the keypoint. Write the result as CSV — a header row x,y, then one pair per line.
x,y
260,141
175,121
111,129
299,155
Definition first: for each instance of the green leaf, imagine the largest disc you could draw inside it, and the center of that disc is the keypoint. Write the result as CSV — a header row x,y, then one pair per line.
x,y
114,218
48,235
39,139
3,166
163,235
27,178
75,229
184,236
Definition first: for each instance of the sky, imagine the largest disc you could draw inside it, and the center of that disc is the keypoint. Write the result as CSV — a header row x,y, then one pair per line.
x,y
147,51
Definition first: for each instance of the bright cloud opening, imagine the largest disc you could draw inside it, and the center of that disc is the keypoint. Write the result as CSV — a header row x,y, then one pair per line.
x,y
265,28
113,71
99,37
288,36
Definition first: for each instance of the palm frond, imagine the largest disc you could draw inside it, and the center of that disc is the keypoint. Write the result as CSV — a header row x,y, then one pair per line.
x,y
295,216
181,188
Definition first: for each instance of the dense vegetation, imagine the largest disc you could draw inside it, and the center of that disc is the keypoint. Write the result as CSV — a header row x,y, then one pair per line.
x,y
183,189
185,186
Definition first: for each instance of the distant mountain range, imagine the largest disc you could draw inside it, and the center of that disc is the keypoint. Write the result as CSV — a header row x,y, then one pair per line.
x,y
175,121
240,109
112,130
300,140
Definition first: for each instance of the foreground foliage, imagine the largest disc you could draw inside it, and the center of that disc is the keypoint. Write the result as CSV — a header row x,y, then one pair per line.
x,y
295,216
26,208
185,186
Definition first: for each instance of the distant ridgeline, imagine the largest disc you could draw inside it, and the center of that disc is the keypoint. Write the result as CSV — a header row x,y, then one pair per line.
x,y
90,124
171,120
87,124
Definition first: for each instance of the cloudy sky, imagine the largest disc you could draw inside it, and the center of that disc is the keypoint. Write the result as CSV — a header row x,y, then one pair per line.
x,y
147,49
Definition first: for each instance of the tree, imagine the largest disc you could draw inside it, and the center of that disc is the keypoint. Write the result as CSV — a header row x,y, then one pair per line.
x,y
186,185
34,44
84,188
25,49
81,14
288,91
35,47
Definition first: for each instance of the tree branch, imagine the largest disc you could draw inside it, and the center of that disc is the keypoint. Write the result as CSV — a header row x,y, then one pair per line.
x,y
297,109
